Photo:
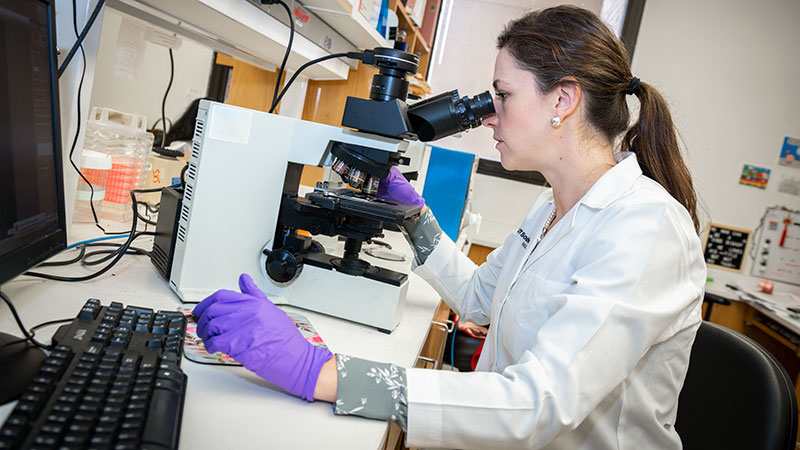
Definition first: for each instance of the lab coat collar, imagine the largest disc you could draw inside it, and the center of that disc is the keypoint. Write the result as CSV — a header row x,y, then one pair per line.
x,y
603,192
614,182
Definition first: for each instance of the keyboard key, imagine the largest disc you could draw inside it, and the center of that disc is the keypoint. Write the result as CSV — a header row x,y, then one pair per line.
x,y
45,440
88,312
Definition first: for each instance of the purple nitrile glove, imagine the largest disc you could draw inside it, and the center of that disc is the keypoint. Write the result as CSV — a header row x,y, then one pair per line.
x,y
250,328
396,187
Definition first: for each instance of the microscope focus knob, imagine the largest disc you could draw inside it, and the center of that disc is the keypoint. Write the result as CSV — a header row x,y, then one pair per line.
x,y
283,265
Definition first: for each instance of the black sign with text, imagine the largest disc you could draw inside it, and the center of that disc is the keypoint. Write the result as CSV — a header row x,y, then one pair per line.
x,y
725,247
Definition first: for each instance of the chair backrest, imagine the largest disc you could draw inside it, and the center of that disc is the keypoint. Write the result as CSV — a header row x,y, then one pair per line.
x,y
736,395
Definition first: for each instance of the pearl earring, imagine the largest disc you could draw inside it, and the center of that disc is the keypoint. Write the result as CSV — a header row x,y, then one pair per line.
x,y
555,121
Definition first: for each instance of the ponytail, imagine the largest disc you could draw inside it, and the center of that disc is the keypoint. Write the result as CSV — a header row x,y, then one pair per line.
x,y
567,41
654,141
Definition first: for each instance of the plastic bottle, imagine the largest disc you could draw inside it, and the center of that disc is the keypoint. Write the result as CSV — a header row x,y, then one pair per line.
x,y
95,167
124,137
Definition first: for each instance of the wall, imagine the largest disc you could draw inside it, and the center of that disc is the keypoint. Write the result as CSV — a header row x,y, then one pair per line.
x,y
463,59
730,71
143,95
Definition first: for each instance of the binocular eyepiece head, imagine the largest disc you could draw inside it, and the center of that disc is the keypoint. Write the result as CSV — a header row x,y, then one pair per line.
x,y
447,114
434,118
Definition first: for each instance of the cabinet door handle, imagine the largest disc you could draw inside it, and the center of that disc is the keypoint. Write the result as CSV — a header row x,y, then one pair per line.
x,y
425,358
448,325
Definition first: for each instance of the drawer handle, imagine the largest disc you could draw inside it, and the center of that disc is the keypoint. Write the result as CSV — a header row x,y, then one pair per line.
x,y
448,325
425,358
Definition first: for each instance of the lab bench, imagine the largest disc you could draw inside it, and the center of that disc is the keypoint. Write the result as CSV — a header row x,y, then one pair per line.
x,y
231,407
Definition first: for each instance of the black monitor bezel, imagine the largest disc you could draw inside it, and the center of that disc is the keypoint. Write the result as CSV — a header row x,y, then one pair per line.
x,y
32,253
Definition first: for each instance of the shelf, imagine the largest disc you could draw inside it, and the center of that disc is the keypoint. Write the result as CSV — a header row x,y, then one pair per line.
x,y
400,10
416,42
236,28
346,20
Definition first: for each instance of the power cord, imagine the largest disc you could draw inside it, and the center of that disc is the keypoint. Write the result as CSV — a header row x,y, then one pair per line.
x,y
312,62
79,45
286,54
111,253
276,100
164,100
28,335
79,42
83,257
120,253
33,332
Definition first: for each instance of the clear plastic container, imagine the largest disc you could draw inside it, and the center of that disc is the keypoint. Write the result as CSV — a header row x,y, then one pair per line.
x,y
95,166
124,137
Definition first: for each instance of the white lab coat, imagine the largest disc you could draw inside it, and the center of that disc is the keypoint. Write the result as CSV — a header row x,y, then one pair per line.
x,y
590,334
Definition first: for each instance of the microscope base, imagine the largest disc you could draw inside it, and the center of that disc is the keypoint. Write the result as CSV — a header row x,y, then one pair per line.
x,y
354,298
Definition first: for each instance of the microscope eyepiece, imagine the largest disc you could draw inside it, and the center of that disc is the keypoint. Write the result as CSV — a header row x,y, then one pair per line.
x,y
447,114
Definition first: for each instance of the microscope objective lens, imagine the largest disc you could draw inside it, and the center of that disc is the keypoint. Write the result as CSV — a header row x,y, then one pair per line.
x,y
371,186
357,177
340,167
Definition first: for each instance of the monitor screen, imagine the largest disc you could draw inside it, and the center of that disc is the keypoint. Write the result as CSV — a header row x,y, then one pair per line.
x,y
32,218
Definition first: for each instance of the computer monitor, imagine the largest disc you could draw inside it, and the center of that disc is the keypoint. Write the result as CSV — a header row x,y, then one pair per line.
x,y
32,214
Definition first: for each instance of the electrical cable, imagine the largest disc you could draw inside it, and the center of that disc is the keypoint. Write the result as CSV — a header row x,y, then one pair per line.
x,y
119,255
78,124
285,56
144,219
79,42
164,100
50,322
83,256
28,335
110,254
313,61
66,262
33,331
183,175
104,238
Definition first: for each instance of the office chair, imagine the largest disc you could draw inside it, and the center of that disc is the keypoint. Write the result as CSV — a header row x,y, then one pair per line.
x,y
736,395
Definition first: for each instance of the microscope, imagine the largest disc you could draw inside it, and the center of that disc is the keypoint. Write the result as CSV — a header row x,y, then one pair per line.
x,y
241,210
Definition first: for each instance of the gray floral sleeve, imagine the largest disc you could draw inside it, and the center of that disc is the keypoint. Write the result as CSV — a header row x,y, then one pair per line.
x,y
371,389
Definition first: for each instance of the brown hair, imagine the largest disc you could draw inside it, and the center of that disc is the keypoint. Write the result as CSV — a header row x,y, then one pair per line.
x,y
567,41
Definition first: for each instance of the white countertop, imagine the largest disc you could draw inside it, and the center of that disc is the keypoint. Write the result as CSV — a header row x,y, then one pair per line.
x,y
230,407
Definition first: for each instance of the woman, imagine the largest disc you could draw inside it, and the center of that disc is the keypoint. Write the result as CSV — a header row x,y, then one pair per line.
x,y
594,302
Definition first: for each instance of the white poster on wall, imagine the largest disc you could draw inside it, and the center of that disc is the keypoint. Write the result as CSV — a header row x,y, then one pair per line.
x,y
129,51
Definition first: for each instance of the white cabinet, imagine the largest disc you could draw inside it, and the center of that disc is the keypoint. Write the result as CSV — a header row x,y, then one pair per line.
x,y
242,30
346,19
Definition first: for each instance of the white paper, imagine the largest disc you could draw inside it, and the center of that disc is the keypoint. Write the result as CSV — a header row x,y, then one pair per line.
x,y
129,53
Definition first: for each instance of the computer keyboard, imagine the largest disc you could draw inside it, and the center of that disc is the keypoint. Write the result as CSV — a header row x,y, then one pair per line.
x,y
112,381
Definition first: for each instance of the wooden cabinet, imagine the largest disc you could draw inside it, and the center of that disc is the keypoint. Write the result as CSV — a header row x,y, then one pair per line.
x,y
417,44
433,349
325,100
250,86
429,358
